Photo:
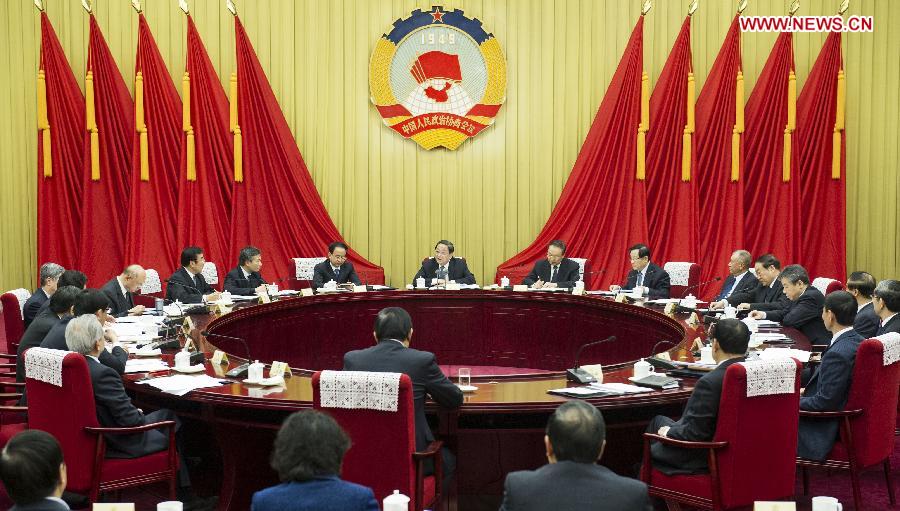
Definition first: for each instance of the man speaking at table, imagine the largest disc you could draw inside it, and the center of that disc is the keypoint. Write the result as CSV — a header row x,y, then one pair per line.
x,y
444,268
336,267
556,270
653,280
245,280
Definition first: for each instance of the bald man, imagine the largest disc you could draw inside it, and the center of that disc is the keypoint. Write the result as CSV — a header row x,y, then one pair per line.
x,y
120,289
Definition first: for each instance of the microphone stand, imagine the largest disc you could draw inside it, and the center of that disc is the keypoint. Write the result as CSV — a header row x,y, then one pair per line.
x,y
579,375
241,370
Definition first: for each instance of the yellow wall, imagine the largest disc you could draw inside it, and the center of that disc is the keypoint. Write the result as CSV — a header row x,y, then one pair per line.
x,y
381,190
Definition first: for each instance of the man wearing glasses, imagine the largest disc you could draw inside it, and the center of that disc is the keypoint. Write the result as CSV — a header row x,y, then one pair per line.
x,y
652,280
886,301
556,270
336,268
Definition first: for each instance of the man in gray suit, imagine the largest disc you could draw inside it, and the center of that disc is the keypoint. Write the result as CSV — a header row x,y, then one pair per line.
x,y
576,436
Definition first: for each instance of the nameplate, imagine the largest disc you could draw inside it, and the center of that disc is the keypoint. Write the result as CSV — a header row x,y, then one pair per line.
x,y
620,298
359,289
595,370
222,309
307,291
263,297
663,355
578,291
698,344
774,506
187,326
280,369
452,286
219,358
520,287
110,506
693,320
670,309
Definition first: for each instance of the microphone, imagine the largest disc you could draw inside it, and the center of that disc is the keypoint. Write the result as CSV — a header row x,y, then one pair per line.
x,y
241,370
579,375
660,363
171,281
695,286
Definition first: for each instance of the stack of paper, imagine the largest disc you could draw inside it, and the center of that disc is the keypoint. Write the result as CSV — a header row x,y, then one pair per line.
x,y
145,365
181,384
621,388
776,353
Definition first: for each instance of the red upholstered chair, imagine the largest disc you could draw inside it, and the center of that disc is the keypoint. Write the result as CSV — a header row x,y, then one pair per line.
x,y
67,412
150,290
868,420
12,304
827,285
381,461
683,276
741,472
12,417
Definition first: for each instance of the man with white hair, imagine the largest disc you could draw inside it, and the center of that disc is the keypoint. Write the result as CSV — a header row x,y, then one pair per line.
x,y
50,273
740,286
120,290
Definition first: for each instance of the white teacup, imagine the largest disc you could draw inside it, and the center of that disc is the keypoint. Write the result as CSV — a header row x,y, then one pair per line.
x,y
642,369
273,288
730,312
706,355
182,359
420,282
504,282
826,504
170,505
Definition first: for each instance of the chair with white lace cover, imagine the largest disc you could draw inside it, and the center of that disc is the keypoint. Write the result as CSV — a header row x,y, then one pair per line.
x,y
582,266
681,277
152,284
45,364
22,295
211,274
303,267
827,285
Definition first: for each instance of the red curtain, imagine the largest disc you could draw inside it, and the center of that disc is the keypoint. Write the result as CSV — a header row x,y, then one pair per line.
x,y
671,188
601,210
770,202
822,179
154,170
60,169
721,219
204,192
277,207
106,189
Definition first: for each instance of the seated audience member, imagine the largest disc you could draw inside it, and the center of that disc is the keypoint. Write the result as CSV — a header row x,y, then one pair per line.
x,y
188,285
829,387
653,280
444,268
886,300
741,284
50,273
84,335
120,291
61,304
804,312
245,279
307,455
392,354
730,338
335,267
34,472
861,285
68,278
556,270
769,294
572,480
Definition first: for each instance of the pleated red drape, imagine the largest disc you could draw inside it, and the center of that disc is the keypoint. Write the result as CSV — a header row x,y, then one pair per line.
x,y
277,207
671,200
59,193
204,204
721,198
106,200
150,238
601,210
823,219
771,223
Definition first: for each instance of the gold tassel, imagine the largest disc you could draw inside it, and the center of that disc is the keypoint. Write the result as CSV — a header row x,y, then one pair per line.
x,y
739,103
792,102
836,154
645,102
735,154
841,101
233,111
139,101
686,155
641,163
186,102
48,159
95,155
89,101
145,160
191,162
839,120
238,156
43,121
691,103
786,160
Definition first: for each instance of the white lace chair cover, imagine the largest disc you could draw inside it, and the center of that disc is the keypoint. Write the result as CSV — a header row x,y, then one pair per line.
x,y
152,284
357,390
822,283
303,266
679,273
45,365
210,273
891,352
581,263
768,377
22,295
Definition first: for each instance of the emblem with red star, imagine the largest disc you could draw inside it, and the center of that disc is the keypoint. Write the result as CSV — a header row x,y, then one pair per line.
x,y
438,15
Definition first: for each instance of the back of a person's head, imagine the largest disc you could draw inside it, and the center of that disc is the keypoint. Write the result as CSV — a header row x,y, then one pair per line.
x,y
889,293
72,278
30,466
63,299
89,301
393,323
794,273
863,282
309,444
576,431
843,305
733,335
82,333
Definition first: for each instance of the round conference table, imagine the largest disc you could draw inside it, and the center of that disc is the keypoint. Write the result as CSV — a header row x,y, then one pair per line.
x,y
517,344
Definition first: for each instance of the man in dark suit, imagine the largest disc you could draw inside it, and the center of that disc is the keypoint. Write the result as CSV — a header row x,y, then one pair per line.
x,y
336,267
556,270
769,294
804,312
392,354
444,268
741,284
861,285
120,291
245,279
187,285
829,387
34,472
651,278
61,304
572,480
50,273
730,338
886,301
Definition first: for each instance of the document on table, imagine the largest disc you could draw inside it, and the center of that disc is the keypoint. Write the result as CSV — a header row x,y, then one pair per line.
x,y
145,365
777,353
181,384
621,388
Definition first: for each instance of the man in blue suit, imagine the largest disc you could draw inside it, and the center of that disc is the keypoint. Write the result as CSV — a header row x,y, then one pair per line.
x,y
829,387
861,285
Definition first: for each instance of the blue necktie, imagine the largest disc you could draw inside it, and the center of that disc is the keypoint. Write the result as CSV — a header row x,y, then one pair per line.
x,y
337,273
640,279
727,290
